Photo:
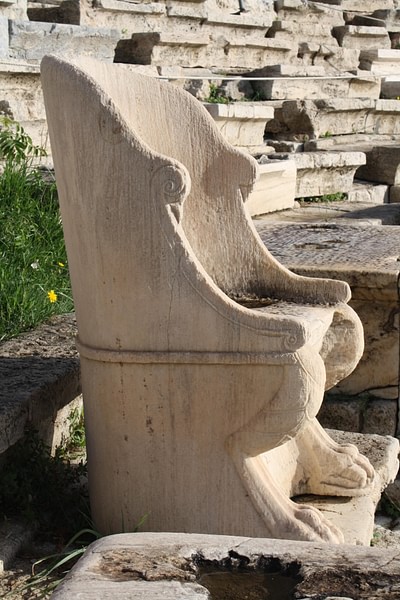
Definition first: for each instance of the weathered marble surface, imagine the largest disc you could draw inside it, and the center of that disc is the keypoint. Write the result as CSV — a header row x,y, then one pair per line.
x,y
155,566
184,369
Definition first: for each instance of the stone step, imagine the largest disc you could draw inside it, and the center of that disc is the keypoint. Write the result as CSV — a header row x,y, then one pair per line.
x,y
242,123
289,82
331,57
179,17
362,37
324,118
381,61
30,41
291,30
40,382
308,12
364,6
162,49
275,188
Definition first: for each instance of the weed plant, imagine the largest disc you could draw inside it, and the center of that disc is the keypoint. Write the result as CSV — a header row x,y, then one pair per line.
x,y
44,490
34,278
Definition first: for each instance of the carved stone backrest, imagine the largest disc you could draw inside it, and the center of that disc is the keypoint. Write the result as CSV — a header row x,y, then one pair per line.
x,y
118,135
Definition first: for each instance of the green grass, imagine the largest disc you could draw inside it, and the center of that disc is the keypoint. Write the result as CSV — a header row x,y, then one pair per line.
x,y
34,279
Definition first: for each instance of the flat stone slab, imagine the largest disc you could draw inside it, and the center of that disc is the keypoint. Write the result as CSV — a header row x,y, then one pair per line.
x,y
202,50
154,566
39,374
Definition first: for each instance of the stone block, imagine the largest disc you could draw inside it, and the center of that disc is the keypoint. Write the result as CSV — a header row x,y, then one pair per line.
x,y
390,87
275,188
380,416
320,173
250,21
163,49
381,61
394,194
40,376
344,415
30,41
241,123
362,37
382,165
254,54
312,12
334,59
365,191
319,33
13,9
364,6
391,18
127,17
325,118
312,82
63,11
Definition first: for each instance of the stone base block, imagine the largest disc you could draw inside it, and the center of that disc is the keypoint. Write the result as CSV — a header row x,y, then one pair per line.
x,y
382,165
363,37
274,189
241,123
382,61
367,192
391,87
320,173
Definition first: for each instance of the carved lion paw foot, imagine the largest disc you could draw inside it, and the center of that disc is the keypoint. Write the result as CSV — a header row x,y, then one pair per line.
x,y
333,469
344,471
310,525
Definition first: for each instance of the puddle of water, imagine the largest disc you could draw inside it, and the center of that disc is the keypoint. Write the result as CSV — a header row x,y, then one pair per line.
x,y
224,584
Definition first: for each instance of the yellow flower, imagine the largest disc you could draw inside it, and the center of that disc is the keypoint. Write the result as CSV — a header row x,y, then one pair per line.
x,y
52,296
60,264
